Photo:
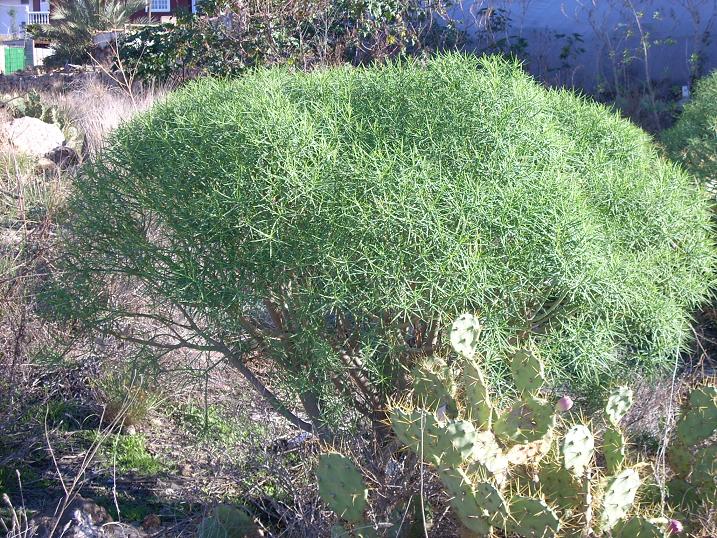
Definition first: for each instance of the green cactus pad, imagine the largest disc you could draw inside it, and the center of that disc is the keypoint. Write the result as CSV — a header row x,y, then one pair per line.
x,y
680,458
464,502
682,494
456,443
619,497
433,386
618,404
488,456
704,472
532,518
699,420
613,447
578,447
420,432
492,503
341,486
637,527
526,421
465,333
478,405
560,487
227,522
528,371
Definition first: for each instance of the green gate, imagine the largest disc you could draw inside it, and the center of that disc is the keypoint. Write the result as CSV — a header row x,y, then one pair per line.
x,y
14,59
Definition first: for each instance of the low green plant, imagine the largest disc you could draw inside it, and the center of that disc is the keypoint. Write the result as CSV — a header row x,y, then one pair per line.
x,y
692,141
534,472
128,453
336,219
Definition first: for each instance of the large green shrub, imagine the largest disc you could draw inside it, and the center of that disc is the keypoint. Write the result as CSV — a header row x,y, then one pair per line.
x,y
340,218
693,139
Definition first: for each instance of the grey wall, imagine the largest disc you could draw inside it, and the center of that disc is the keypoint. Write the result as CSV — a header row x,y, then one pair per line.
x,y
610,31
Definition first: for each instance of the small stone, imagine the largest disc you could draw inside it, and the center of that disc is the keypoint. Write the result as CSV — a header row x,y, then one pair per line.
x,y
129,430
152,521
185,469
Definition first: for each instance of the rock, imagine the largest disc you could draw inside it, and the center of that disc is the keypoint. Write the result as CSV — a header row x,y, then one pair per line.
x,y
63,157
34,136
129,430
46,165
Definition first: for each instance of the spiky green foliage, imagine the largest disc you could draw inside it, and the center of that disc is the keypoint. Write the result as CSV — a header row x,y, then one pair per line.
x,y
363,208
693,139
342,487
227,522
74,22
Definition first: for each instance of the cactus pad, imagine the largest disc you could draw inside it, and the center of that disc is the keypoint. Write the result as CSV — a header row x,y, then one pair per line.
x,y
637,527
682,494
433,385
465,333
492,503
456,443
619,497
478,404
680,459
561,487
488,456
699,420
227,522
613,447
526,421
578,447
532,518
341,486
530,453
618,404
528,371
704,472
464,502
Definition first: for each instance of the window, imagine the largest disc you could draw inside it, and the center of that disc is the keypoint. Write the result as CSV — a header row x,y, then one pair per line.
x,y
159,5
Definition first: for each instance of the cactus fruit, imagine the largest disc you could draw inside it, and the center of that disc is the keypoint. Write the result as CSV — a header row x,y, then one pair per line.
x,y
619,497
675,527
227,522
478,404
526,421
464,502
532,518
465,333
578,447
564,404
341,486
618,404
613,447
637,527
528,372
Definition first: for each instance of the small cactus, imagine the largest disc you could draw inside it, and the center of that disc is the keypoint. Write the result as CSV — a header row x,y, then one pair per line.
x,y
464,502
341,486
613,449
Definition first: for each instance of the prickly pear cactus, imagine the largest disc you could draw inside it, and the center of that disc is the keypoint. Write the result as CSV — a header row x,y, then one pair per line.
x,y
478,404
613,448
637,527
532,518
341,486
464,501
528,372
488,458
526,421
465,333
433,385
227,522
699,420
618,404
578,447
619,497
560,487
